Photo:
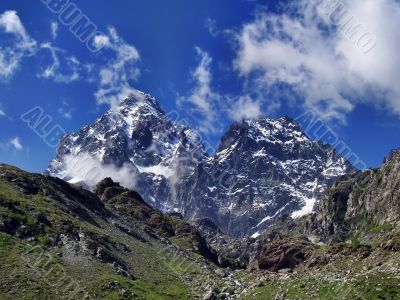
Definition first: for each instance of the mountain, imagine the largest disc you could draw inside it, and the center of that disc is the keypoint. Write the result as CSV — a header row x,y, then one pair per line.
x,y
137,144
59,241
262,169
360,202
351,242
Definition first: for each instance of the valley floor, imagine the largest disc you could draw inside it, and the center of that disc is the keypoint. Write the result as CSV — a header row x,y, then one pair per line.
x,y
28,273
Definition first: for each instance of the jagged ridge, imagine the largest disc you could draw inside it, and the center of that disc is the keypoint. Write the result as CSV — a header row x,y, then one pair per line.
x,y
262,169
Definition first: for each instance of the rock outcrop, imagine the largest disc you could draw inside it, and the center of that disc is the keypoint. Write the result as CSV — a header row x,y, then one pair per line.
x,y
356,202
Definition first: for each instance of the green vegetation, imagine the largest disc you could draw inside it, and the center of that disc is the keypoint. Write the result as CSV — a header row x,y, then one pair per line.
x,y
355,242
156,273
157,256
377,287
379,228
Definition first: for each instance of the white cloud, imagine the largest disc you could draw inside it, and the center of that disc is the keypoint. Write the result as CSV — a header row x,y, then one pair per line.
x,y
209,106
65,111
245,108
16,143
54,30
16,43
12,24
119,71
67,114
308,51
115,70
90,170
202,97
65,69
101,41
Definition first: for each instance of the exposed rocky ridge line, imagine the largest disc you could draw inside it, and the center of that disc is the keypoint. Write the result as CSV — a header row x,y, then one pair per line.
x,y
360,208
369,198
263,168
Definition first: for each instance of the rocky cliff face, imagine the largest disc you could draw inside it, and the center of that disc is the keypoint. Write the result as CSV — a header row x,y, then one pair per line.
x,y
135,143
262,169
360,201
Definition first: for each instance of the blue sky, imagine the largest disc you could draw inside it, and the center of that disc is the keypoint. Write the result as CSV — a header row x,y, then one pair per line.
x,y
212,61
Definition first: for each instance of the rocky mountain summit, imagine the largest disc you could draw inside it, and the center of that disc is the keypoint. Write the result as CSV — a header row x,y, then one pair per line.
x,y
262,169
139,143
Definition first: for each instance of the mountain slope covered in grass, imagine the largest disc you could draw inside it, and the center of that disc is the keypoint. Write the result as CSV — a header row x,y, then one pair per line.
x,y
59,241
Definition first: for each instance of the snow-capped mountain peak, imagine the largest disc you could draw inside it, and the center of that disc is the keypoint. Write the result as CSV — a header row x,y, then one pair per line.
x,y
264,168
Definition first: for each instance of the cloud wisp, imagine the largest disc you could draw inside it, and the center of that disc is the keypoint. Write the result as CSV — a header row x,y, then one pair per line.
x,y
209,106
88,169
54,30
244,107
211,26
202,99
64,68
2,112
65,111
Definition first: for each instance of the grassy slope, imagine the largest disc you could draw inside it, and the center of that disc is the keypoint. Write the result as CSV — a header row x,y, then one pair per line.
x,y
157,275
347,275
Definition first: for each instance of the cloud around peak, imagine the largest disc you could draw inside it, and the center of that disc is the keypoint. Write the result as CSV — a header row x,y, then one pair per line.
x,y
120,69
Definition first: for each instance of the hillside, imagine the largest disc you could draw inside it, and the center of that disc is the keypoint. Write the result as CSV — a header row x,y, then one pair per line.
x,y
348,248
58,241
109,245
